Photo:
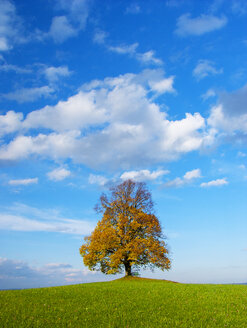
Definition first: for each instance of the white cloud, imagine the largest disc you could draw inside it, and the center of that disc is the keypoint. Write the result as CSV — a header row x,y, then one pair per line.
x,y
143,175
33,212
3,44
58,174
186,179
193,174
124,49
218,120
146,58
70,24
177,182
209,94
215,183
18,148
53,74
149,58
10,122
23,182
10,26
205,68
79,111
162,86
19,223
52,145
70,274
199,25
29,94
117,119
61,29
31,219
97,179
77,10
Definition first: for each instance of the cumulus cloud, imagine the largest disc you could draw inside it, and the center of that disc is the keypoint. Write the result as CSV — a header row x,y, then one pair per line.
x,y
10,122
52,145
19,274
29,94
115,118
186,179
192,174
61,29
97,179
23,182
199,25
215,183
72,22
78,112
77,10
177,182
143,175
58,174
10,26
53,74
162,86
205,68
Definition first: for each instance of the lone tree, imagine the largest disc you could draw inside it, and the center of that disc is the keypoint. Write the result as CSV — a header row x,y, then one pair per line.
x,y
128,235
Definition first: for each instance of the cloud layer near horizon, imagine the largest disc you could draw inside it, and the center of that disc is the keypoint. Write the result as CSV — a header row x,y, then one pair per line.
x,y
19,274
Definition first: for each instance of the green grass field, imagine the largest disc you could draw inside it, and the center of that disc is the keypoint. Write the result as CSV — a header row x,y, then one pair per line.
x,y
126,303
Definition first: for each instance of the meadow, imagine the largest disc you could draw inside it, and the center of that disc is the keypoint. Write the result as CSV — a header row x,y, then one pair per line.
x,y
129,303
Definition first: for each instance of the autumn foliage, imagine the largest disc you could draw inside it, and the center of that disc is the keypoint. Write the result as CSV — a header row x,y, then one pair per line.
x,y
128,235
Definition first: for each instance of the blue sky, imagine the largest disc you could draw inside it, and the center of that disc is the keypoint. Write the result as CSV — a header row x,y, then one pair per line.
x,y
95,92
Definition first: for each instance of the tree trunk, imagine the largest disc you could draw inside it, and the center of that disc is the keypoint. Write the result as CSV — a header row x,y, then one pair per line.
x,y
127,269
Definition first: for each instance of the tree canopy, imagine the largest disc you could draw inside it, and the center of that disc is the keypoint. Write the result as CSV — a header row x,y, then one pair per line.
x,y
129,234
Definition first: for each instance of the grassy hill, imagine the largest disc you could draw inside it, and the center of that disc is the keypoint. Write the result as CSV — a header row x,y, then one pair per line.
x,y
126,303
